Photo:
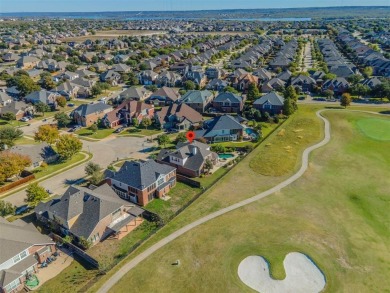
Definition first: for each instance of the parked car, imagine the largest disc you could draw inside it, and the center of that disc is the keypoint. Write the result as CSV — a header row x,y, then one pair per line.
x,y
22,209
70,105
118,130
24,119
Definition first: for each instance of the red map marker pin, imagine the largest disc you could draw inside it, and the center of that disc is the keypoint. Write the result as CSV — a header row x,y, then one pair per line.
x,y
190,136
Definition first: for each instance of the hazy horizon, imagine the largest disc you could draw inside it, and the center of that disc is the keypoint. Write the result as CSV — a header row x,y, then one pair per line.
x,y
55,6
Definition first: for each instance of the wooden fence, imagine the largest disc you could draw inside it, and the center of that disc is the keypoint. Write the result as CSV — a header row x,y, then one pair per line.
x,y
28,177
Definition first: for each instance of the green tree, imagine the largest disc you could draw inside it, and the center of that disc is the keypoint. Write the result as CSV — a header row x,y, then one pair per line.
x,y
47,133
61,101
48,83
253,92
382,90
368,71
35,194
189,85
329,76
91,168
328,93
62,119
8,136
42,108
68,145
135,122
231,90
208,165
218,148
26,85
146,122
93,128
163,140
9,116
354,79
360,90
181,137
288,107
96,90
6,208
345,100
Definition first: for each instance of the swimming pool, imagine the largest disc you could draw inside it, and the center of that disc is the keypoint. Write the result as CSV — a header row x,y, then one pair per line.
x,y
225,156
251,132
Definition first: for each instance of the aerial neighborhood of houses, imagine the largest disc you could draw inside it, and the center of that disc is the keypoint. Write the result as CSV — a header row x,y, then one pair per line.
x,y
118,109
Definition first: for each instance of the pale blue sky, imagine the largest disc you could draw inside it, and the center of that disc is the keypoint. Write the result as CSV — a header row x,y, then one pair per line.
x,y
147,5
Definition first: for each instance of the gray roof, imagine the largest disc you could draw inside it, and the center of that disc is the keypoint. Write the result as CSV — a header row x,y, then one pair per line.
x,y
184,151
218,123
91,206
140,175
37,153
273,98
86,109
134,93
198,97
18,236
228,96
4,97
43,96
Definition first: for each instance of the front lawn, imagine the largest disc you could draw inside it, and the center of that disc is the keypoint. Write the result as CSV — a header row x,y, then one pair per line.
x,y
99,134
141,132
53,167
15,123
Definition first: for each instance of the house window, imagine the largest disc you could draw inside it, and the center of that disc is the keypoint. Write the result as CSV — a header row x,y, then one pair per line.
x,y
13,285
23,255
16,258
161,181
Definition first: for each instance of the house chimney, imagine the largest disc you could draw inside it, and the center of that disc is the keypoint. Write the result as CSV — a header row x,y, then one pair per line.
x,y
193,149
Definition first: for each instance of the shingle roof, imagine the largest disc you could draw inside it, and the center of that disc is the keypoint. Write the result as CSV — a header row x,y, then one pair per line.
x,y
218,123
91,206
184,151
86,109
37,153
273,98
140,175
180,111
227,96
195,97
18,236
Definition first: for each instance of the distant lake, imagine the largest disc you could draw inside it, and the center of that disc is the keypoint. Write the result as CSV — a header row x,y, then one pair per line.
x,y
232,19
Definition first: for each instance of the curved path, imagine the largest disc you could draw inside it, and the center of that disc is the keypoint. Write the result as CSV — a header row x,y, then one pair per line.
x,y
135,261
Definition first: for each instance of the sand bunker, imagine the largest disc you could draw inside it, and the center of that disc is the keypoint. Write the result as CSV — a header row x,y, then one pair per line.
x,y
302,275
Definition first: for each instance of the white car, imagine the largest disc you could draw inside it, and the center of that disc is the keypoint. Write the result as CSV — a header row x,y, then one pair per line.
x,y
24,119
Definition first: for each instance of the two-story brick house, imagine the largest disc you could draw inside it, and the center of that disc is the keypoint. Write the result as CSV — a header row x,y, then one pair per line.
x,y
90,214
141,182
22,248
88,114
228,103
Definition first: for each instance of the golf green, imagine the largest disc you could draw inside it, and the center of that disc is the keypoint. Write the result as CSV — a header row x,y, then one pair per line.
x,y
375,128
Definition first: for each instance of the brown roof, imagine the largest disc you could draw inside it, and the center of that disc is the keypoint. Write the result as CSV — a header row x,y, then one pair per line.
x,y
167,92
181,111
135,108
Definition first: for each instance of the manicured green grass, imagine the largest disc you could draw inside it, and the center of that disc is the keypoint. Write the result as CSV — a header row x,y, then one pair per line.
x,y
283,149
99,134
209,180
53,167
337,213
14,123
140,132
375,128
179,196
25,140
